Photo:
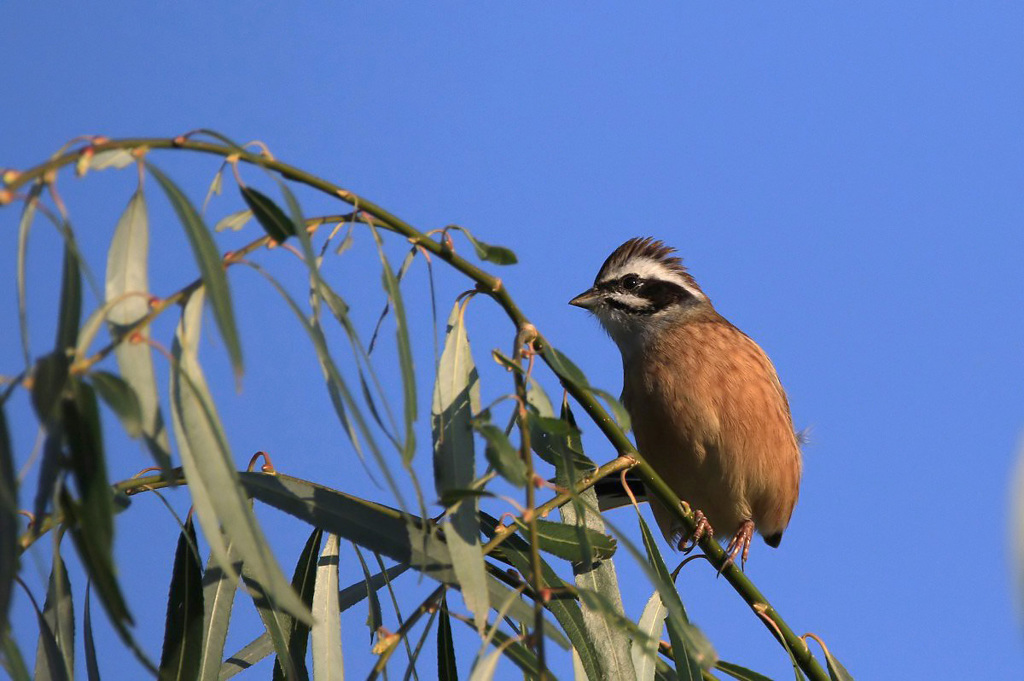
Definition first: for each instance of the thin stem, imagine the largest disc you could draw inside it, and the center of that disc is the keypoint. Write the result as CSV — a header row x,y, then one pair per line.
x,y
526,454
426,606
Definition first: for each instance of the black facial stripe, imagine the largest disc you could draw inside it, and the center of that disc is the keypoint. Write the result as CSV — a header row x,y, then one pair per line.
x,y
662,294
658,293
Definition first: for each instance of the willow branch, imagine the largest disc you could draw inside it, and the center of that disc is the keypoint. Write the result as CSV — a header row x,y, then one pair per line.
x,y
486,283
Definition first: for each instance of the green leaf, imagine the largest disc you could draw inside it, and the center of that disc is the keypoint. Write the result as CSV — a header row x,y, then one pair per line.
x,y
53,660
690,647
216,186
447,669
376,527
645,654
234,221
24,227
275,223
119,396
522,656
11,659
9,553
606,626
374,618
557,441
112,158
738,672
836,670
183,630
351,595
59,613
328,661
92,667
304,582
561,540
618,411
564,367
219,590
345,406
70,315
101,571
404,352
456,399
502,455
49,380
499,255
276,623
211,267
211,474
517,551
127,281
85,447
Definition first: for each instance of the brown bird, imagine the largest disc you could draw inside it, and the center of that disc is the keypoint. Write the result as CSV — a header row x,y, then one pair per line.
x,y
709,413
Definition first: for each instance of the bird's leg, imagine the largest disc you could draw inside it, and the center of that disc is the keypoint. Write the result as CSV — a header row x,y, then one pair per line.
x,y
739,545
702,527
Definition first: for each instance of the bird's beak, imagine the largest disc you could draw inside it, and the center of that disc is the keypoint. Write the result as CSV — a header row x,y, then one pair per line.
x,y
587,300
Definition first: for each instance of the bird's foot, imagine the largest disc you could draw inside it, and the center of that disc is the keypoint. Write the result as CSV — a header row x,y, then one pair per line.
x,y
702,527
739,545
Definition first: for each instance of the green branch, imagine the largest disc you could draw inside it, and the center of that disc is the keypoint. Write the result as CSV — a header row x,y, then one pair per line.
x,y
486,283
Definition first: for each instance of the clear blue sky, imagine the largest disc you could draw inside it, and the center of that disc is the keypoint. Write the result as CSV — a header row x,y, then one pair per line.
x,y
845,181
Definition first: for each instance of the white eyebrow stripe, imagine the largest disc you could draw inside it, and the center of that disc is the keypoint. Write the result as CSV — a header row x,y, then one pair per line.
x,y
647,268
631,299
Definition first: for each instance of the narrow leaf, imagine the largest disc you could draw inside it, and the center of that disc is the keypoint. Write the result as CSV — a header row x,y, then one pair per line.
x,y
70,315
304,583
262,646
645,654
112,158
516,550
499,255
607,627
690,647
85,447
738,672
24,227
376,527
11,659
59,613
447,669
9,554
92,667
328,661
404,353
502,455
127,281
53,660
234,221
456,399
374,618
211,267
210,470
219,588
119,396
273,220
183,629
562,540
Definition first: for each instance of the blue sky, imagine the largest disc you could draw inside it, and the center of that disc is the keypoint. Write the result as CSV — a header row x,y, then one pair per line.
x,y
843,180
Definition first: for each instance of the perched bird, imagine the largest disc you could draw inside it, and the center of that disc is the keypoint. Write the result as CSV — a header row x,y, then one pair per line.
x,y
709,413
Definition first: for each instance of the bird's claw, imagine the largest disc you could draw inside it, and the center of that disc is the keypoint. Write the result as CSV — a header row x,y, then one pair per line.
x,y
739,545
701,527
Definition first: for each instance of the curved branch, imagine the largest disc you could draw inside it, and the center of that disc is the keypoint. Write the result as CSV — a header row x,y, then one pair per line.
x,y
486,283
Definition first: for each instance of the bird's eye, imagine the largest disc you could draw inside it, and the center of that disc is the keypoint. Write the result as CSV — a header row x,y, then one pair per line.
x,y
630,282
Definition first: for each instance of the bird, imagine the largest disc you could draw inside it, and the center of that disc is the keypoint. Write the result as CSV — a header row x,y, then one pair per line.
x,y
707,408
